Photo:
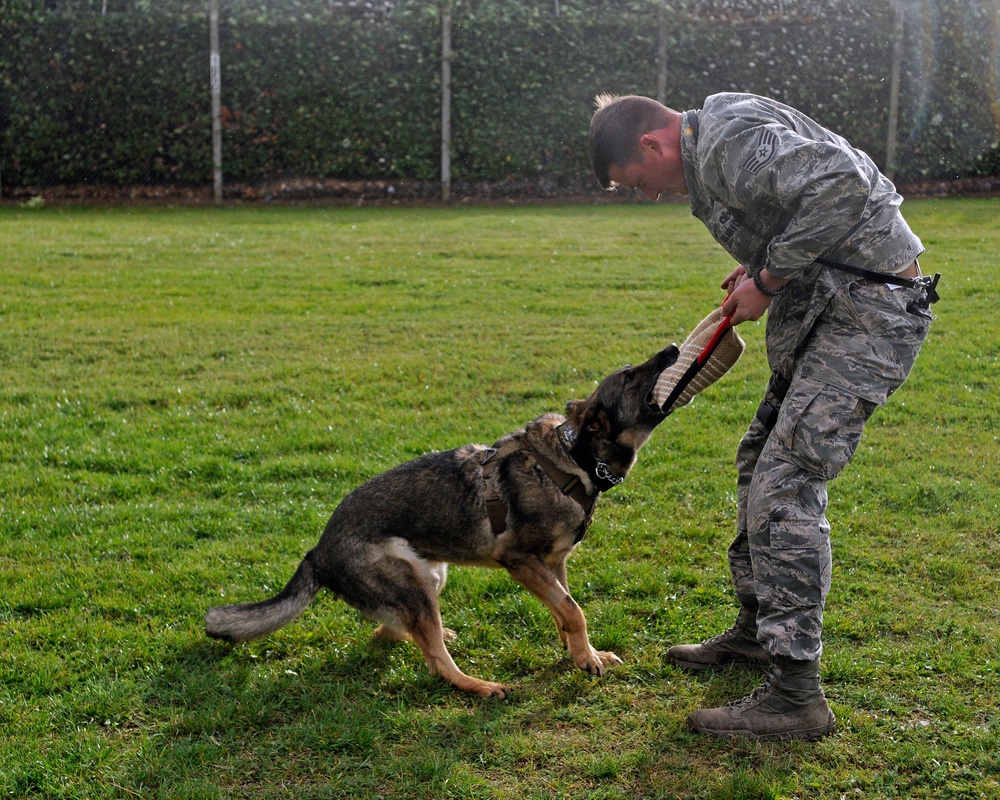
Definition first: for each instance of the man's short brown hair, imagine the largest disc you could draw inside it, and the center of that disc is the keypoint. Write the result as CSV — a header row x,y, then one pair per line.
x,y
615,130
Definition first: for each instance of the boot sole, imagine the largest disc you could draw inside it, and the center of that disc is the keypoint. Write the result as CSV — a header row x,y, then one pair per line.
x,y
806,734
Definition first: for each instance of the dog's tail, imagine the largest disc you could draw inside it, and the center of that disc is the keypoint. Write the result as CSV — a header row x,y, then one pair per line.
x,y
241,623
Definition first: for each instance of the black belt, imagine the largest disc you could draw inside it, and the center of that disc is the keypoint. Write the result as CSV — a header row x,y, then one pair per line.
x,y
924,282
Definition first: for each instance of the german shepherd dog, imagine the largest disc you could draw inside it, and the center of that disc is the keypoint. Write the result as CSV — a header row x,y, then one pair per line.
x,y
522,505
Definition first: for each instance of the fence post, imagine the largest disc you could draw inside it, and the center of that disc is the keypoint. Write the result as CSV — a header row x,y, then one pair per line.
x,y
661,55
215,68
897,55
445,101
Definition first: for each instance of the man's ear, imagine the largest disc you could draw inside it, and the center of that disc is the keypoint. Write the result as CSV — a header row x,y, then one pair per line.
x,y
649,142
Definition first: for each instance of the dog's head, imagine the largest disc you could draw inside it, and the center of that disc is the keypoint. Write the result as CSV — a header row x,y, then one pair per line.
x,y
618,418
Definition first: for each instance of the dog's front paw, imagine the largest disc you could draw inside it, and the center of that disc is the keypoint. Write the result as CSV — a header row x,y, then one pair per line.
x,y
608,658
595,661
488,689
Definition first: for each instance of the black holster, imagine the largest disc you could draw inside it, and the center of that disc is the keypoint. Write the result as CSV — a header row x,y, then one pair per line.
x,y
777,388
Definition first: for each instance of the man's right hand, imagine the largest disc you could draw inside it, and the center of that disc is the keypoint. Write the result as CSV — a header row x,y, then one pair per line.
x,y
745,301
734,279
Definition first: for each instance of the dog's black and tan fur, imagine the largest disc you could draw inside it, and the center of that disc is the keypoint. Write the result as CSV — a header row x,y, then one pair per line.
x,y
386,548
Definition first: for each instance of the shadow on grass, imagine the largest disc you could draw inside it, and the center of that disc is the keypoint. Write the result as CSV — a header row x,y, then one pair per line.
x,y
253,718
354,717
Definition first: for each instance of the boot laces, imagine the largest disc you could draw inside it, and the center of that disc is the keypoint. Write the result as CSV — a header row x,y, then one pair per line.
x,y
770,683
735,631
732,633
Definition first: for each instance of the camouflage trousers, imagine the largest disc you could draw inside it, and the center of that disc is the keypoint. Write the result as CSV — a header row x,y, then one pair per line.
x,y
860,350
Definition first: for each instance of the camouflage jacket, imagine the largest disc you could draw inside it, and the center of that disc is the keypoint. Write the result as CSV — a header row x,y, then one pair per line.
x,y
777,189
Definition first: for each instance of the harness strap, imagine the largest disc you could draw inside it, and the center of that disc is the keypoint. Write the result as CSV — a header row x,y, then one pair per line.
x,y
570,485
496,508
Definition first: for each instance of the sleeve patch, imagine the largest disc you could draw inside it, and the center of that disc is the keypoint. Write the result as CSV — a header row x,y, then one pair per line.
x,y
763,153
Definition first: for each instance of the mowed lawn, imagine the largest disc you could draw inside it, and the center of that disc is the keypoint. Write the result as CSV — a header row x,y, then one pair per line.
x,y
186,394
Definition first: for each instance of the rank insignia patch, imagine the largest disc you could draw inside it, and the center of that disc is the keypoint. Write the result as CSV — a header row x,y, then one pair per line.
x,y
763,153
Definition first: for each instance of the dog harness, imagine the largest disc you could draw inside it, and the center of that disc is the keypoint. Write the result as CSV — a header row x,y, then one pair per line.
x,y
569,484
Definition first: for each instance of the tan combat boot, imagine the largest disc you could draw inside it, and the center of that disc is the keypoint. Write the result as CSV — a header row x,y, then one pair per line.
x,y
789,705
736,646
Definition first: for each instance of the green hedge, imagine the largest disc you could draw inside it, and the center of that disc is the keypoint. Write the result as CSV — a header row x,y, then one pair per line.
x,y
336,90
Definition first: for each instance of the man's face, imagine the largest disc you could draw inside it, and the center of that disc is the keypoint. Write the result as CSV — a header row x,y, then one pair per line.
x,y
641,175
658,170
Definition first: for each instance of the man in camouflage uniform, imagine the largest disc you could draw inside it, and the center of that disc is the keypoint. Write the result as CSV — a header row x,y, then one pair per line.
x,y
793,203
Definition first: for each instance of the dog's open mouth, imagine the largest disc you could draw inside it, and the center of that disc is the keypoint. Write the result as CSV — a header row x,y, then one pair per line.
x,y
662,361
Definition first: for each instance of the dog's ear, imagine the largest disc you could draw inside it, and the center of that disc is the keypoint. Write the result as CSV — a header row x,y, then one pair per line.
x,y
597,421
575,412
587,416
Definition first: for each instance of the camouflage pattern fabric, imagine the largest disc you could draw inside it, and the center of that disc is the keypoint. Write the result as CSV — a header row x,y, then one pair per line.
x,y
778,190
807,191
780,560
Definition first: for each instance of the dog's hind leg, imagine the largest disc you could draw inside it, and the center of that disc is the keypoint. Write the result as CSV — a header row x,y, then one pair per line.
x,y
389,633
420,622
386,633
532,573
428,635
401,590
438,572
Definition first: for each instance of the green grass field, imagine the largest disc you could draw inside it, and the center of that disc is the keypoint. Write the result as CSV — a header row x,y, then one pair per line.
x,y
185,395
